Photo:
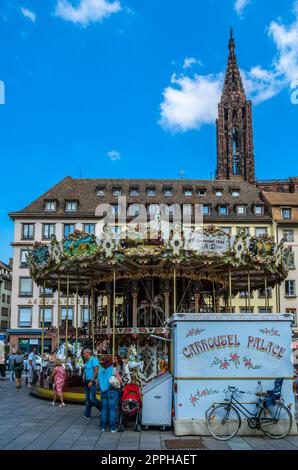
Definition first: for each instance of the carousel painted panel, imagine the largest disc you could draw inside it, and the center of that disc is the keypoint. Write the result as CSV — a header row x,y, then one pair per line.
x,y
210,355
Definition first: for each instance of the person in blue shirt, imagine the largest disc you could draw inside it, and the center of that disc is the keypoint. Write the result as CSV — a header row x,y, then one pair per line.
x,y
90,378
109,395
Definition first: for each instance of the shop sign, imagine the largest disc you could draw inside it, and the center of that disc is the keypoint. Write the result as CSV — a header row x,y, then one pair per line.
x,y
33,341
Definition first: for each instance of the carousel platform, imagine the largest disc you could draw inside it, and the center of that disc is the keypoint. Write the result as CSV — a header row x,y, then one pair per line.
x,y
71,395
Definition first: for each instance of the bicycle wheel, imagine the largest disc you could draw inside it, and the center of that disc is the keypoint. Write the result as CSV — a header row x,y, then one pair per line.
x,y
276,421
223,422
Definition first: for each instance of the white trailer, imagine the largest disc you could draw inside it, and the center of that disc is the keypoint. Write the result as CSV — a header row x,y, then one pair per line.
x,y
212,352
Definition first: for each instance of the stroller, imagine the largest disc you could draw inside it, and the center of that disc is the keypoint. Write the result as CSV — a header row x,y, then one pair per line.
x,y
130,407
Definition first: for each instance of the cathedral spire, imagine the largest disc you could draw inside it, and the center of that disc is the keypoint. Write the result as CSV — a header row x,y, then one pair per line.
x,y
235,155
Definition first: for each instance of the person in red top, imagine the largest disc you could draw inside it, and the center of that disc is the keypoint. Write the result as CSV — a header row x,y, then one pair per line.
x,y
59,376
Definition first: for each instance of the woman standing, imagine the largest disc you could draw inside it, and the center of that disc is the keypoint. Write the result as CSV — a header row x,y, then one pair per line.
x,y
109,395
59,376
18,368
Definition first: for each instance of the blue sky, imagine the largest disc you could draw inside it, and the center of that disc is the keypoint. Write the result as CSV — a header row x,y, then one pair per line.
x,y
128,88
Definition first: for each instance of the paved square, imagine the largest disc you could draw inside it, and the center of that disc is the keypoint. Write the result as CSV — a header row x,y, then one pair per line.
x,y
31,423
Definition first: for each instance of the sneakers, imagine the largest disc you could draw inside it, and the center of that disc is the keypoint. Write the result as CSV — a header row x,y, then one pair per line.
x,y
52,403
103,429
113,430
62,405
85,417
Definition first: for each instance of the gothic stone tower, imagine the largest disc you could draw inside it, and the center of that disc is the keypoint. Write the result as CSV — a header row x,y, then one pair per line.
x,y
235,152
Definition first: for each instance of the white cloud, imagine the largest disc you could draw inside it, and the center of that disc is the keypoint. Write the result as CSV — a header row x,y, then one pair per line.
x,y
114,155
190,61
240,6
286,40
29,14
191,101
86,11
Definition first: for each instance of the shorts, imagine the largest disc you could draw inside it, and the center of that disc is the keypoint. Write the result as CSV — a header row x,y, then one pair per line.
x,y
18,371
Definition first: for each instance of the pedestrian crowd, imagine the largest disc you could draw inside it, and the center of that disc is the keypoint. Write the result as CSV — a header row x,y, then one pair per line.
x,y
102,379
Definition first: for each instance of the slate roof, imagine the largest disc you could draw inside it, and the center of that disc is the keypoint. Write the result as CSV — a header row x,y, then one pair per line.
x,y
85,192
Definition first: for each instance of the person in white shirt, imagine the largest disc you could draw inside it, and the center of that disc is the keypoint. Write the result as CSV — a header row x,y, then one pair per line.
x,y
31,365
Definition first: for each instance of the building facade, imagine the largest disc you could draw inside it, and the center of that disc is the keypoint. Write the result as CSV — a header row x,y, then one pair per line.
x,y
5,296
232,202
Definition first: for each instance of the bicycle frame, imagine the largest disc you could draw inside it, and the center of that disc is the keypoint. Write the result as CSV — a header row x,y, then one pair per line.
x,y
239,407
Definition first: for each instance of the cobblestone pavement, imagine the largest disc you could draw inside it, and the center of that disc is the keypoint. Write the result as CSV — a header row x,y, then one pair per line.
x,y
30,423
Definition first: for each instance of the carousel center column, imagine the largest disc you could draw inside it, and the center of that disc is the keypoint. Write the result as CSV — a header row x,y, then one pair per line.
x,y
134,293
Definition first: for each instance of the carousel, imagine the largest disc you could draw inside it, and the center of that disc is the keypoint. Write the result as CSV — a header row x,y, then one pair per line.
x,y
133,283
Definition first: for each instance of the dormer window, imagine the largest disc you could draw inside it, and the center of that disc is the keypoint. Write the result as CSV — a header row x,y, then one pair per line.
x,y
187,192
235,193
134,191
286,214
241,210
151,192
117,191
258,209
218,193
206,209
100,191
223,209
71,206
201,192
168,192
50,206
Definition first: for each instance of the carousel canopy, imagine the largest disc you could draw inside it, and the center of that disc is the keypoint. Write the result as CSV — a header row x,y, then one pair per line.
x,y
207,254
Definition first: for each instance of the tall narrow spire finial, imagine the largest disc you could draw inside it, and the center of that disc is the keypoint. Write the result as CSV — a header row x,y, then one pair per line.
x,y
232,41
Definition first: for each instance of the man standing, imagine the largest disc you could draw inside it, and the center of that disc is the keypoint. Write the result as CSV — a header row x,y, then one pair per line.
x,y
32,365
90,378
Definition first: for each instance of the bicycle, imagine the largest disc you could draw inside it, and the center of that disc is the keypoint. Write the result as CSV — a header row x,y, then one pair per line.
x,y
224,419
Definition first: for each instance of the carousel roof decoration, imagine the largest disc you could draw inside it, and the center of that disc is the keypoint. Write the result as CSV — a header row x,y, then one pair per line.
x,y
206,254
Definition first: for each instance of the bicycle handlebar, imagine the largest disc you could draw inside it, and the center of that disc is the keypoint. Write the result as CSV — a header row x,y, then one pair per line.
x,y
235,389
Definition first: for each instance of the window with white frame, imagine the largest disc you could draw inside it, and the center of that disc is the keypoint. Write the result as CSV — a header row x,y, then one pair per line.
x,y
235,193
48,316
218,193
258,209
201,192
289,236
241,210
24,257
71,206
25,317
28,231
259,231
89,228
206,209
86,315
117,191
168,192
47,292
50,206
48,230
151,192
187,192
68,229
63,313
100,191
290,288
286,214
26,287
223,209
134,191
